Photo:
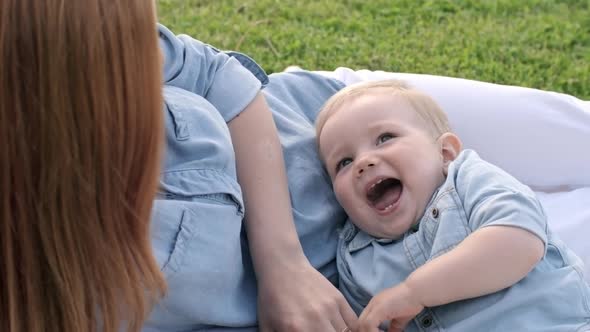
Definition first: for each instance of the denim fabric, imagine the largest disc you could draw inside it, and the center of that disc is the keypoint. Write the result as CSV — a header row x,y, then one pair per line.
x,y
197,232
199,68
476,194
295,99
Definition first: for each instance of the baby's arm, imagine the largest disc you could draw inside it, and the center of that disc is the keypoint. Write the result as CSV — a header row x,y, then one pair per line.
x,y
489,260
508,239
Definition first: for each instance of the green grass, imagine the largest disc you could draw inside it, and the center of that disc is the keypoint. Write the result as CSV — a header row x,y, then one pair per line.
x,y
535,43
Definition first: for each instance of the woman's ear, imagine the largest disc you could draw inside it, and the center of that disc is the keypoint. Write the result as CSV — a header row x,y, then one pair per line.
x,y
450,147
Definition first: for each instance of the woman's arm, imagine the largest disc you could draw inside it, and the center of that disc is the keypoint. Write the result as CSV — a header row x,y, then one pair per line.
x,y
262,176
292,294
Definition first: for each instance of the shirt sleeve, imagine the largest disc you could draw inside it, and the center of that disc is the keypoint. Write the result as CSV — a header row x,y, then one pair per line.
x,y
492,197
229,81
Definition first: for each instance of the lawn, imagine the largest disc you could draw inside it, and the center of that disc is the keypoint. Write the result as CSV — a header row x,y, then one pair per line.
x,y
535,43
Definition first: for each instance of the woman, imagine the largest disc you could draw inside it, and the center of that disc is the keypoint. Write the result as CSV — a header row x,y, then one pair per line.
x,y
224,164
81,131
215,120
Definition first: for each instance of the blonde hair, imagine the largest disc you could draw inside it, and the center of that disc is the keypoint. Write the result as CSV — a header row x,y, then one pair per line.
x,y
428,109
81,130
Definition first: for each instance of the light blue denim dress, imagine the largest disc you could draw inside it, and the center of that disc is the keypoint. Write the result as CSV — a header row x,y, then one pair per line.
x,y
197,230
552,297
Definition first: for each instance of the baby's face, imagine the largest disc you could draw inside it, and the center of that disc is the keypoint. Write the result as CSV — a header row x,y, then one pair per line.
x,y
384,163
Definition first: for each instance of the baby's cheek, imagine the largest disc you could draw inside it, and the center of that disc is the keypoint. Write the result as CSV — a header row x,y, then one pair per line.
x,y
346,198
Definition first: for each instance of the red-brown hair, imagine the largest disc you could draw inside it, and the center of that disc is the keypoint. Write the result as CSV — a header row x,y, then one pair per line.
x,y
81,134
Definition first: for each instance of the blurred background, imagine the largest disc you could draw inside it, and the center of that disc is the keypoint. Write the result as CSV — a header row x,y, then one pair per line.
x,y
534,43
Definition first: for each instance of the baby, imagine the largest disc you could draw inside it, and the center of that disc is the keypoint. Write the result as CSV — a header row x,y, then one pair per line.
x,y
438,239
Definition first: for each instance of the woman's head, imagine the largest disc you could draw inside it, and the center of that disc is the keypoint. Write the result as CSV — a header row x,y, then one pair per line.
x,y
81,130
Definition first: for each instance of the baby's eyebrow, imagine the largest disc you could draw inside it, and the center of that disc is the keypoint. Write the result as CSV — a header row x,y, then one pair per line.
x,y
382,125
332,154
329,157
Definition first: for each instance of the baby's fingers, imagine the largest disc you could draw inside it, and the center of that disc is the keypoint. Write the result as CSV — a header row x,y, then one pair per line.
x,y
370,319
399,324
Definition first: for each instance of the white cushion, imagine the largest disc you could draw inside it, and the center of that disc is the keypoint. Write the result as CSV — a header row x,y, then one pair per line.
x,y
540,137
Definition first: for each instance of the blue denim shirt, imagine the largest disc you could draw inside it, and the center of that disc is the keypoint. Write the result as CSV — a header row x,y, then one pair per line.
x,y
197,233
476,194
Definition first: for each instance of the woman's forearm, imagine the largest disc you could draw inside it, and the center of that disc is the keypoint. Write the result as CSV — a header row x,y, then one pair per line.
x,y
261,172
489,260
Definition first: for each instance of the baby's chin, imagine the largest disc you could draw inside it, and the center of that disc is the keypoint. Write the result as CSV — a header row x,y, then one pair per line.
x,y
386,234
390,228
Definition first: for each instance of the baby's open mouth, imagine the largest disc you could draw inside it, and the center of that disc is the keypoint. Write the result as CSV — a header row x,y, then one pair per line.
x,y
384,193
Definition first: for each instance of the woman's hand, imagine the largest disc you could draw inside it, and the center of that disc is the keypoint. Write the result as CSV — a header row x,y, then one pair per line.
x,y
397,304
296,297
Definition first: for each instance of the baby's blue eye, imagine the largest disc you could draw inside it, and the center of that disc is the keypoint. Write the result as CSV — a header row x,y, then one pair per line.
x,y
343,163
384,138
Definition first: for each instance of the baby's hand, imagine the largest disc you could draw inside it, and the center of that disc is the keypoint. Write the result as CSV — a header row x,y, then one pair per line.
x,y
397,304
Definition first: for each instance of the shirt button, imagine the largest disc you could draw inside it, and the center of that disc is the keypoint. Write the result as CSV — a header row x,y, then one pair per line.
x,y
435,213
426,321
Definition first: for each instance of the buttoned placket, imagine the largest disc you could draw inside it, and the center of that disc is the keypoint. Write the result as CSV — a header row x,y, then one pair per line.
x,y
425,321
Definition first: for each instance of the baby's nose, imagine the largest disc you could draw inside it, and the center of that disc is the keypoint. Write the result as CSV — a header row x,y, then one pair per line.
x,y
364,166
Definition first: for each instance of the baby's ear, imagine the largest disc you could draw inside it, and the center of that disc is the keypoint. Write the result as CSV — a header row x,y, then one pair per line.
x,y
450,147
